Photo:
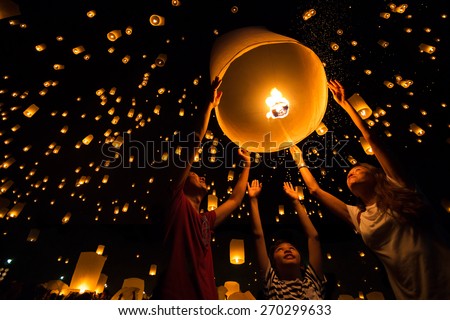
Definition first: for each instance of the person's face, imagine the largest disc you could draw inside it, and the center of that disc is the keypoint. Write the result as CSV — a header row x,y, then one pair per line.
x,y
360,175
286,254
195,182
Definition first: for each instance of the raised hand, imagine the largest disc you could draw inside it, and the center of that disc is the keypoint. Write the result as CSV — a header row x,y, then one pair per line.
x,y
216,95
337,90
297,155
290,191
254,189
245,156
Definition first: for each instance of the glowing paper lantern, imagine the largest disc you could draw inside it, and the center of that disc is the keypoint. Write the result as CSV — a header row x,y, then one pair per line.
x,y
16,210
161,59
114,35
300,192
237,252
212,202
427,48
275,89
33,235
360,106
232,287
135,283
156,20
153,269
100,249
366,146
321,129
416,129
101,283
31,110
87,271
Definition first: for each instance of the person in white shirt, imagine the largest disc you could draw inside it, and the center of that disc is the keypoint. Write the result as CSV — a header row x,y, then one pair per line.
x,y
394,220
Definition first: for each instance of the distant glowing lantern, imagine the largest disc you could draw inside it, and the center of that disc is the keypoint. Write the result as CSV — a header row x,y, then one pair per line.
x,y
281,209
308,14
230,175
33,235
358,103
388,84
91,13
300,192
126,59
88,139
427,48
153,269
161,60
31,110
16,210
212,202
366,146
385,15
383,43
156,20
78,50
416,129
275,89
66,218
334,46
100,249
237,252
41,47
114,35
321,129
6,186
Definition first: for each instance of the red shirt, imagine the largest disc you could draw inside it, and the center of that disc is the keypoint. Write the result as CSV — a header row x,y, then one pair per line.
x,y
189,272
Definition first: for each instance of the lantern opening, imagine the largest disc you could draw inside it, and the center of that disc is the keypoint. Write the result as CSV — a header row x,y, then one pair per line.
x,y
279,106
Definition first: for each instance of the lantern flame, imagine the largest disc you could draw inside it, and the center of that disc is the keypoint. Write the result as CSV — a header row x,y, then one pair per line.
x,y
279,106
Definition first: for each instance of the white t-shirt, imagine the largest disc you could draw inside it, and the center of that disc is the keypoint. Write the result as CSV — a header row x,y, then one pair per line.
x,y
417,266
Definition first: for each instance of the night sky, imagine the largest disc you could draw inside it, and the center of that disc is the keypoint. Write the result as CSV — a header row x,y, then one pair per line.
x,y
61,181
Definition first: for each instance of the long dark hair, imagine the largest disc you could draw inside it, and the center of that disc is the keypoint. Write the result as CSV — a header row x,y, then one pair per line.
x,y
402,203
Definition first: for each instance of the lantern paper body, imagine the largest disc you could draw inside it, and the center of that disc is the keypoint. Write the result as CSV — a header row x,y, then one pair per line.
x,y
101,283
87,271
253,61
135,283
232,287
237,251
8,9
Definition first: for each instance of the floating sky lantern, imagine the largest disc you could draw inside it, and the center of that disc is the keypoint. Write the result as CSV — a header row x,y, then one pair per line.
x,y
275,89
237,253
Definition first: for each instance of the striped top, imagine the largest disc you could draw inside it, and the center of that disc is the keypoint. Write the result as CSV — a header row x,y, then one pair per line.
x,y
309,288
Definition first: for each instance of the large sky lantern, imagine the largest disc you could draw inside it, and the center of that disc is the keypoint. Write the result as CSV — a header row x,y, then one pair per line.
x,y
274,89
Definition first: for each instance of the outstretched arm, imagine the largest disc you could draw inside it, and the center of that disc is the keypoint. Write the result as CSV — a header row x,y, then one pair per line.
x,y
389,165
314,248
226,208
188,153
258,234
335,205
